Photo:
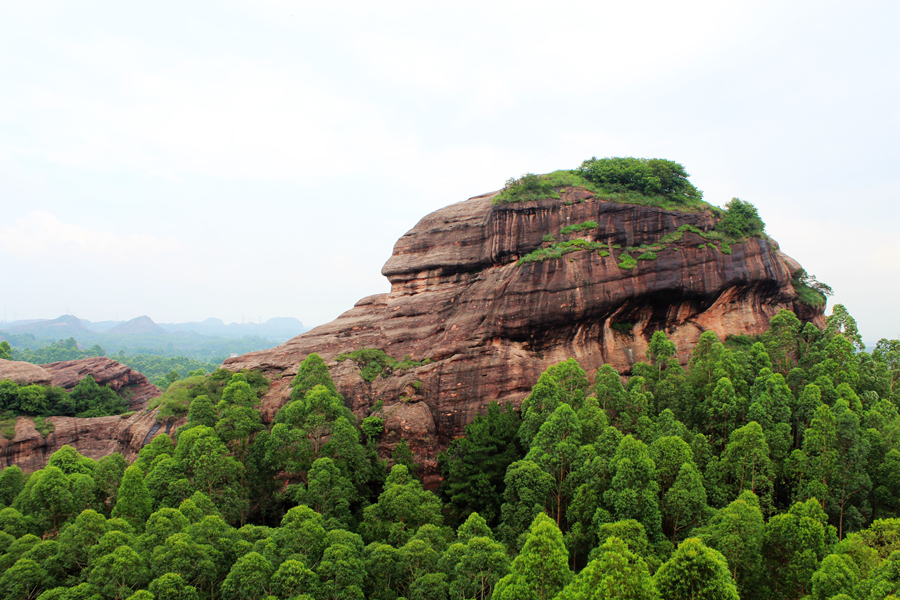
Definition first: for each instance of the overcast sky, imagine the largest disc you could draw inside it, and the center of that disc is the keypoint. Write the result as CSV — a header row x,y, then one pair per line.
x,y
246,160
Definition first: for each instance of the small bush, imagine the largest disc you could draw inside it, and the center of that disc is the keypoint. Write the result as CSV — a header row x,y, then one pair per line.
x,y
701,247
374,362
526,188
579,227
372,426
626,261
43,427
8,425
647,256
558,250
548,238
726,249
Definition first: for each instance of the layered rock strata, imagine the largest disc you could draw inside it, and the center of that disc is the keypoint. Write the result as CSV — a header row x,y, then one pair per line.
x,y
94,437
489,325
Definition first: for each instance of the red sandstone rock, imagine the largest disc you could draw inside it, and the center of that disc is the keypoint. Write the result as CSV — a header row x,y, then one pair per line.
x,y
23,373
491,326
95,437
105,371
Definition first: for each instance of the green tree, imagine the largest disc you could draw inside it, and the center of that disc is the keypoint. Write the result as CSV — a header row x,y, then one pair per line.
x,y
292,579
737,532
170,586
118,574
134,503
555,449
633,491
23,581
248,579
647,176
541,570
402,508
312,372
202,412
528,489
684,503
616,572
12,482
660,350
836,575
545,397
52,495
741,220
695,572
329,493
793,544
474,466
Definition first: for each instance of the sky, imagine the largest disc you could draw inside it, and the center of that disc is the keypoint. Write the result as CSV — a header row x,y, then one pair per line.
x,y
247,160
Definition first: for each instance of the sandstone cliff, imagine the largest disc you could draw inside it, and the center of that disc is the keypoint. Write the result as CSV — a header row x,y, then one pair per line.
x,y
490,326
95,437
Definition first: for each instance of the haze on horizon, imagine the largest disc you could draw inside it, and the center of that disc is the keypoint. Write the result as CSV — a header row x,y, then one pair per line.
x,y
255,160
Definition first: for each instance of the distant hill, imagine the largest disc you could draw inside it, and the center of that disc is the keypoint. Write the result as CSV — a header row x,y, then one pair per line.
x,y
138,325
62,327
277,328
205,339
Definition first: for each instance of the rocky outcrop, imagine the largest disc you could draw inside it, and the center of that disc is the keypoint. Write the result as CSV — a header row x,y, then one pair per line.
x,y
23,373
94,437
489,326
129,384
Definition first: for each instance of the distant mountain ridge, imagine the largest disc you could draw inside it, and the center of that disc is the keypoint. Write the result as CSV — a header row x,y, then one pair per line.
x,y
143,332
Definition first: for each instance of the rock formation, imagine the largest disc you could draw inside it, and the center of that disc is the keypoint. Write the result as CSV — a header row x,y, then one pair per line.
x,y
489,325
23,373
121,378
94,437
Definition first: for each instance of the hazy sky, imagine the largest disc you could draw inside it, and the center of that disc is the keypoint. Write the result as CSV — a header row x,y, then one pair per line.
x,y
258,159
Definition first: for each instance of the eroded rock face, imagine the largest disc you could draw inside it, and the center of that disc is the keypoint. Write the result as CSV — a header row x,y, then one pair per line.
x,y
95,437
491,326
23,373
121,378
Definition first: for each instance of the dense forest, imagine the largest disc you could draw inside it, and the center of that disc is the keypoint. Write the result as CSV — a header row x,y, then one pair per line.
x,y
768,468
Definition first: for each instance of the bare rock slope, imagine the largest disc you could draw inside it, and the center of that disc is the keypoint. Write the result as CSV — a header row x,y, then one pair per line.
x,y
489,325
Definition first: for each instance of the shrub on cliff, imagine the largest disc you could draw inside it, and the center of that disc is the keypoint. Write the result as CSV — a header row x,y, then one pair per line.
x,y
648,176
741,220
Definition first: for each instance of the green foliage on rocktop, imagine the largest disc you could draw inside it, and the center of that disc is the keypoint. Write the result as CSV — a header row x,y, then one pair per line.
x,y
651,181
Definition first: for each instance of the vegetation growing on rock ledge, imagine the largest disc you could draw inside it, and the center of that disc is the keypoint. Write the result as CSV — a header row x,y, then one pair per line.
x,y
811,291
374,362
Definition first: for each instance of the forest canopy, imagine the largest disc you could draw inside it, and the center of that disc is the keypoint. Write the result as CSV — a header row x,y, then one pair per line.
x,y
767,468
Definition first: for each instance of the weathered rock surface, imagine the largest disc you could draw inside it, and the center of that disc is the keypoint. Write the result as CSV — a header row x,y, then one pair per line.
x,y
23,373
94,437
491,326
121,378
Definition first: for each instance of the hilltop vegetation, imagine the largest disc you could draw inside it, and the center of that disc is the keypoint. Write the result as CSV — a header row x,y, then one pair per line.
x,y
766,469
650,181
